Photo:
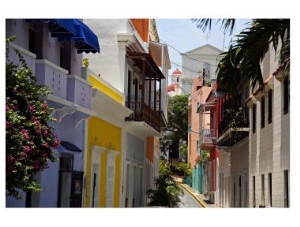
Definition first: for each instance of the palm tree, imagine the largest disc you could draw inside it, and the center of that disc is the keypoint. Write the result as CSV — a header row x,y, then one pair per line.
x,y
245,54
166,193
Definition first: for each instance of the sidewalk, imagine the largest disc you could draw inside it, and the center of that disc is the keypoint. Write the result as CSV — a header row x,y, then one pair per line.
x,y
202,200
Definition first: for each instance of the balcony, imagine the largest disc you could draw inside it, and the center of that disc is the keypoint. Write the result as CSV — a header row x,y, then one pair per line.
x,y
206,138
52,75
79,91
233,127
27,55
142,112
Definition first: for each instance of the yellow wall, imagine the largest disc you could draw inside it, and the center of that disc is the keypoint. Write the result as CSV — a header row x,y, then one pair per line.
x,y
109,136
105,89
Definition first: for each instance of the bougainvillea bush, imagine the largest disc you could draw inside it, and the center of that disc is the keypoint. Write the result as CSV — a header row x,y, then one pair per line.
x,y
29,139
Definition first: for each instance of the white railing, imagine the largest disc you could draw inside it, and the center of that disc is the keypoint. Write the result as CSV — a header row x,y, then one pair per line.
x,y
207,135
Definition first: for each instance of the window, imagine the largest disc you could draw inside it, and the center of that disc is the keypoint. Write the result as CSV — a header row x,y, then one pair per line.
x,y
240,191
270,106
254,118
234,191
177,79
263,189
62,56
31,45
286,189
286,95
253,180
129,88
262,112
270,188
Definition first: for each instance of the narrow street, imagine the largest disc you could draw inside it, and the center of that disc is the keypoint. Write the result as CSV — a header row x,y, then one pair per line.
x,y
188,201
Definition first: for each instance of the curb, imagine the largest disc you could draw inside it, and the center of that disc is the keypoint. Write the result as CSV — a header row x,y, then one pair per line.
x,y
192,194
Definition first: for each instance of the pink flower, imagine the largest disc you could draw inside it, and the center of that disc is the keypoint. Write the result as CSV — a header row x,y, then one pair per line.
x,y
23,155
25,134
27,149
57,119
46,144
38,130
31,108
14,107
45,132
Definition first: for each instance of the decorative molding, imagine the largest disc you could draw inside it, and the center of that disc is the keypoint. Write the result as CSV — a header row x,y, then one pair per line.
x,y
62,112
108,108
112,153
96,148
87,113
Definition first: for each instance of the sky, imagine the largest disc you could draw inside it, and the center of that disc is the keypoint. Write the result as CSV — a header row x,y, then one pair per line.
x,y
183,35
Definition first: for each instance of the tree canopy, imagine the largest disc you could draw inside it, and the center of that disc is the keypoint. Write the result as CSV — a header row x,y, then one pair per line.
x,y
177,127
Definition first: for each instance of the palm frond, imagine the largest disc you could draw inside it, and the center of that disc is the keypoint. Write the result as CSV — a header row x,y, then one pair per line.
x,y
205,23
246,53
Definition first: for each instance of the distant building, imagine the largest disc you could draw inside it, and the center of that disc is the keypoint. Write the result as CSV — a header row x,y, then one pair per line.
x,y
175,87
199,63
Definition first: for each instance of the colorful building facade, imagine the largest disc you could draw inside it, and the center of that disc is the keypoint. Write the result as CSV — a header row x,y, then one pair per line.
x,y
136,64
52,51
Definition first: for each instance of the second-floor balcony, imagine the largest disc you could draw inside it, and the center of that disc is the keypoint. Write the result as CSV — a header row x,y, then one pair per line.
x,y
142,112
79,91
53,76
233,127
206,138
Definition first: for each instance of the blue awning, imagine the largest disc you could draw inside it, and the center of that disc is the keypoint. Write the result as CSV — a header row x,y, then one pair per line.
x,y
85,38
59,27
73,30
67,146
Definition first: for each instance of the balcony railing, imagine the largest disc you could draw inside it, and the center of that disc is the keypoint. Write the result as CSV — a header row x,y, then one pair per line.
x,y
207,135
52,75
235,118
79,91
237,121
142,112
27,55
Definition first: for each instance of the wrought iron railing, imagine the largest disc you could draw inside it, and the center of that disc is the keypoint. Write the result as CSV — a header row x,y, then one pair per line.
x,y
235,119
143,112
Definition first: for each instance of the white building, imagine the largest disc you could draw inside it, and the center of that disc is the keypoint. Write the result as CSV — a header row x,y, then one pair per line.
x,y
200,62
269,138
136,64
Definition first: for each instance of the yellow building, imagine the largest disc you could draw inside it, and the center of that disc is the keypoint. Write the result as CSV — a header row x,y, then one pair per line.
x,y
103,160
